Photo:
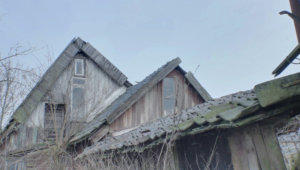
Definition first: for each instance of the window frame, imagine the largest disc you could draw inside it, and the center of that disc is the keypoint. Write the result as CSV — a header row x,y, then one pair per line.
x,y
50,108
82,61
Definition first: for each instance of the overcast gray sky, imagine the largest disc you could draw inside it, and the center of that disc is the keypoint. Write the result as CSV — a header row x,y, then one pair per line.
x,y
236,43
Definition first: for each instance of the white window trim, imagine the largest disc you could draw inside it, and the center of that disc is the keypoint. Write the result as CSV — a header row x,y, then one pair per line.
x,y
79,60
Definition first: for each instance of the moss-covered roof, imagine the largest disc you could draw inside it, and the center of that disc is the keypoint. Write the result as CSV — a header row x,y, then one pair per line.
x,y
230,111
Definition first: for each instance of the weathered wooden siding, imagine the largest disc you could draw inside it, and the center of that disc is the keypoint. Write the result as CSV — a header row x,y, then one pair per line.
x,y
150,106
99,91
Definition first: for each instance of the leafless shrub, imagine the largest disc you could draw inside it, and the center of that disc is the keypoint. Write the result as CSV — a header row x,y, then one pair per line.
x,y
15,81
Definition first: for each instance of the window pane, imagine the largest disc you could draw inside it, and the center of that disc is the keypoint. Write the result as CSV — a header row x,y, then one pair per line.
x,y
168,95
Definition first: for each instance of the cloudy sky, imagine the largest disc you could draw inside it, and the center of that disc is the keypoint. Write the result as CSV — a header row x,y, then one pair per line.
x,y
229,45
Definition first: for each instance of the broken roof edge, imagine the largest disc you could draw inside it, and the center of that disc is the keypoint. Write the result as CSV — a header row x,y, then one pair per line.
x,y
287,61
197,86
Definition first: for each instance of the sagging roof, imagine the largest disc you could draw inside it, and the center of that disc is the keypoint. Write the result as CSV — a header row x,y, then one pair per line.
x,y
133,94
230,111
287,61
76,46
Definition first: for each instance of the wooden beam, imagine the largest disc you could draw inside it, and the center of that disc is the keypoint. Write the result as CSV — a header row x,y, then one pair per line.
x,y
287,61
195,83
295,6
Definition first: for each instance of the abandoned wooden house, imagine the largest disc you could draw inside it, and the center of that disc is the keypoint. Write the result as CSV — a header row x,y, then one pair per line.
x,y
80,92
86,107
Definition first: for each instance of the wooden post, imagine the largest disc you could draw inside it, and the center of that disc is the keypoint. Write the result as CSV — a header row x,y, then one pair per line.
x,y
295,6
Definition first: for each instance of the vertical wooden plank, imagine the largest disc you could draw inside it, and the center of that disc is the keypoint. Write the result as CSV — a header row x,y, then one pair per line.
x,y
180,93
261,150
156,103
248,144
238,152
129,119
134,116
140,111
185,95
159,101
272,147
34,135
125,121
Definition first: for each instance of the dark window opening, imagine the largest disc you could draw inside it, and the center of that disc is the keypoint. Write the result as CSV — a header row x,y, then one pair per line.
x,y
204,151
54,119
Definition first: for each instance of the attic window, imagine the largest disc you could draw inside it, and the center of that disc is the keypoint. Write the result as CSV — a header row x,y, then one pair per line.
x,y
79,67
169,95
